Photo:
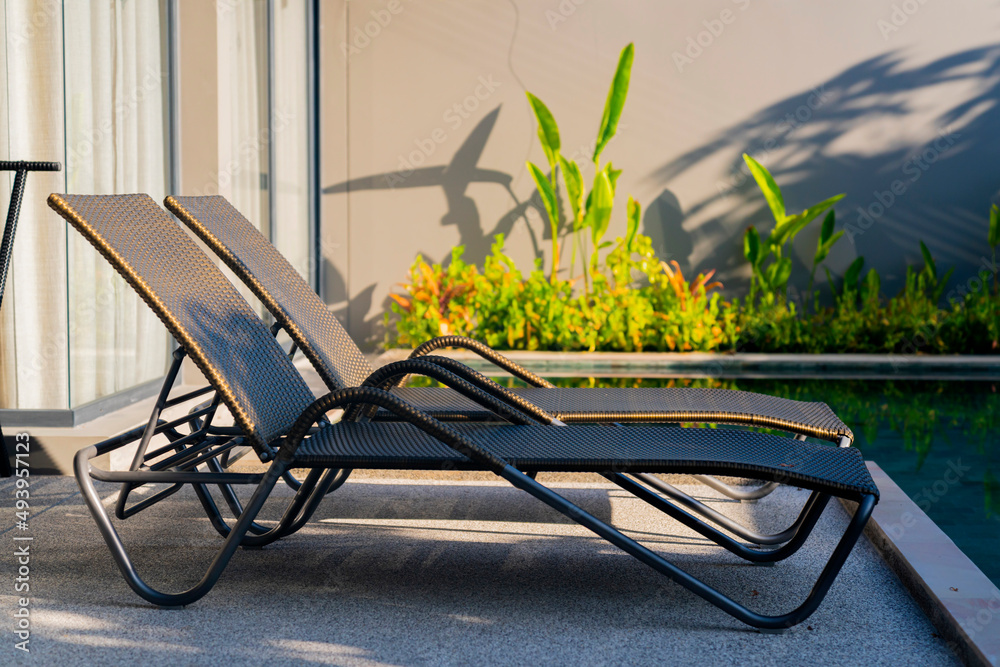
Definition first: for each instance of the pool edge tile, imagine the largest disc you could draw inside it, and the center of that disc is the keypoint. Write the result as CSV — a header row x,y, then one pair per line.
x,y
961,602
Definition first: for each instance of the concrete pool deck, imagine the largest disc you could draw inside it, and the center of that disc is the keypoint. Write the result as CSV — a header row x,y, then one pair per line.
x,y
422,571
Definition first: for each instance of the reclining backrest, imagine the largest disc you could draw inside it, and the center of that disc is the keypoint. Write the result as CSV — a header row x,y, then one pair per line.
x,y
278,285
198,305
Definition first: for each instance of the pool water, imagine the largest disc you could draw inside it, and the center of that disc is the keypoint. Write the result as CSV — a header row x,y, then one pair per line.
x,y
939,441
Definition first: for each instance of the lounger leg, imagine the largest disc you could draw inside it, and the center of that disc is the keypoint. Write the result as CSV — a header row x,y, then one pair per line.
x,y
808,517
691,583
317,485
730,491
265,536
751,496
693,505
229,495
113,540
303,505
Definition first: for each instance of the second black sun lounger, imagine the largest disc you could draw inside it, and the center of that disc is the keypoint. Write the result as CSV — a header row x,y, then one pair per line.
x,y
340,363
276,414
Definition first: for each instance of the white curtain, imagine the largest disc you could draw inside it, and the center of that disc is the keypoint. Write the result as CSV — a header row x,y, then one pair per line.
x,y
116,142
243,130
290,142
33,340
243,135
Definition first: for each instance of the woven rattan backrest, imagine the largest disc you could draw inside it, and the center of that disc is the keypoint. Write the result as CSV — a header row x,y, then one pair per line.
x,y
198,305
278,285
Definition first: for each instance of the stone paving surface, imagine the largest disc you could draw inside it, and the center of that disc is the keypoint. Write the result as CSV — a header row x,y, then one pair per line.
x,y
421,571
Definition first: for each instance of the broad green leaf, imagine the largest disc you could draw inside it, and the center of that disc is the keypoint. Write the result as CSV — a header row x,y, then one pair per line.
x,y
792,225
599,209
751,245
928,261
994,237
941,285
606,244
814,211
616,100
633,212
872,283
548,131
550,156
853,272
574,188
548,197
779,273
772,193
824,250
829,280
826,231
613,175
787,229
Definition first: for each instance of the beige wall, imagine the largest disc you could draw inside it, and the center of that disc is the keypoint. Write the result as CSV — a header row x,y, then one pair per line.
x,y
868,87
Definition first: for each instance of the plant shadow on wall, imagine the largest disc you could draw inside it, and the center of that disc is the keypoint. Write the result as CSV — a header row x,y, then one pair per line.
x,y
453,179
941,183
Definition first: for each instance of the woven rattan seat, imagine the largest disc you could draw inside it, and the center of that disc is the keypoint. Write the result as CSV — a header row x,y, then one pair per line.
x,y
644,404
594,448
341,364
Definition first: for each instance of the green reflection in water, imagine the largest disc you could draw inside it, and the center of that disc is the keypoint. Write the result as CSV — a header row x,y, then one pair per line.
x,y
939,440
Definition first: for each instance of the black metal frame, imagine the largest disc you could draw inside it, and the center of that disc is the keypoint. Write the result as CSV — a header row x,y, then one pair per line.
x,y
391,375
20,169
247,533
213,446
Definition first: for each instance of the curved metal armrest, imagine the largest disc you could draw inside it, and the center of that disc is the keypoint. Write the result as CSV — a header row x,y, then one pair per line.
x,y
484,351
389,375
385,377
382,398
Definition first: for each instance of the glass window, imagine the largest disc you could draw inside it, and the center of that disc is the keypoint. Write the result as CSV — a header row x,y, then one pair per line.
x,y
116,65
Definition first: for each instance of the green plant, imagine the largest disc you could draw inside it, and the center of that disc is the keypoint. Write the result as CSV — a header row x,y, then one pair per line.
x,y
636,303
993,238
590,210
773,277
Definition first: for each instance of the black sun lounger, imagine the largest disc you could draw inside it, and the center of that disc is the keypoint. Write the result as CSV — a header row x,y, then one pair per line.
x,y
339,362
277,415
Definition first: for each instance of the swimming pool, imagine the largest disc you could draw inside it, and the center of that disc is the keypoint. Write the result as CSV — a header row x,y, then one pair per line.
x,y
939,440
